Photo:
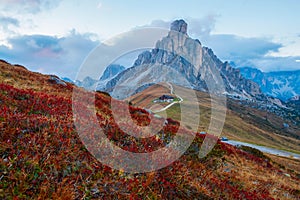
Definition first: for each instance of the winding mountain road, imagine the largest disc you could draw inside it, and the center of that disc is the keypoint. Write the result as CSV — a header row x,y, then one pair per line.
x,y
171,104
265,149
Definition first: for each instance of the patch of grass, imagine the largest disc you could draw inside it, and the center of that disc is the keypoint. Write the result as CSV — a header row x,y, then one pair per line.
x,y
254,152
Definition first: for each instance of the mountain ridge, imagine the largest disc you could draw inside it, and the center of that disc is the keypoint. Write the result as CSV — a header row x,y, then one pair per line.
x,y
280,84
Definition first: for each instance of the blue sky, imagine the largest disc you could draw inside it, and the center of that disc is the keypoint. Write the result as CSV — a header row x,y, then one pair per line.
x,y
52,36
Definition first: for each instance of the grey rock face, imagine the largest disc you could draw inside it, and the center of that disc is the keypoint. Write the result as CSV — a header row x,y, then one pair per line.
x,y
179,26
111,71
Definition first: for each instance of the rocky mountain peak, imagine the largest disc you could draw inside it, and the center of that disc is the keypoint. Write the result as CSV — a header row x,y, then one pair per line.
x,y
180,26
111,71
195,67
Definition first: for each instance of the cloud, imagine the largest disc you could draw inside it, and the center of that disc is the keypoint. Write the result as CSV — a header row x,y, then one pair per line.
x,y
269,63
251,52
29,6
49,54
196,26
203,26
5,22
8,26
99,6
159,24
236,48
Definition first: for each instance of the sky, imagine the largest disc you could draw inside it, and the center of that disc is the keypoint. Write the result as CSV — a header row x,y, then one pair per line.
x,y
55,37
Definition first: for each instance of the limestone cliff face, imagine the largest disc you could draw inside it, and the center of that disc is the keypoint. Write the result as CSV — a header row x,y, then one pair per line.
x,y
184,61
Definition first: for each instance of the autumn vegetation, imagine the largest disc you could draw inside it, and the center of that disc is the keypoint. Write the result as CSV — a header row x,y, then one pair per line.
x,y
42,156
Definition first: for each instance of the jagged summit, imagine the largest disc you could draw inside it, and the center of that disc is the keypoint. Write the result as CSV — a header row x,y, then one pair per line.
x,y
180,26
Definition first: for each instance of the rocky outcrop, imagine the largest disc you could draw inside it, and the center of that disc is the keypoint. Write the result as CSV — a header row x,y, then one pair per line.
x,y
236,82
179,26
55,80
294,103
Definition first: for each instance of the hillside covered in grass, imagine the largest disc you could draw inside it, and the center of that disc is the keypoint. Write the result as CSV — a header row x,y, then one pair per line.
x,y
42,156
244,121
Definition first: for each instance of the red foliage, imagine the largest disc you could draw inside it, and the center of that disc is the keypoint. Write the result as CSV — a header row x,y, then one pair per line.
x,y
41,151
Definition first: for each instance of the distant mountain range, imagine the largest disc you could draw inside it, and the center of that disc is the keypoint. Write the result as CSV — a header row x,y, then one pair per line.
x,y
282,84
110,72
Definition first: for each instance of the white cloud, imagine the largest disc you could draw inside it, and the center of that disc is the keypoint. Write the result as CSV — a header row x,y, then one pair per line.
x,y
196,26
5,22
99,6
8,25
